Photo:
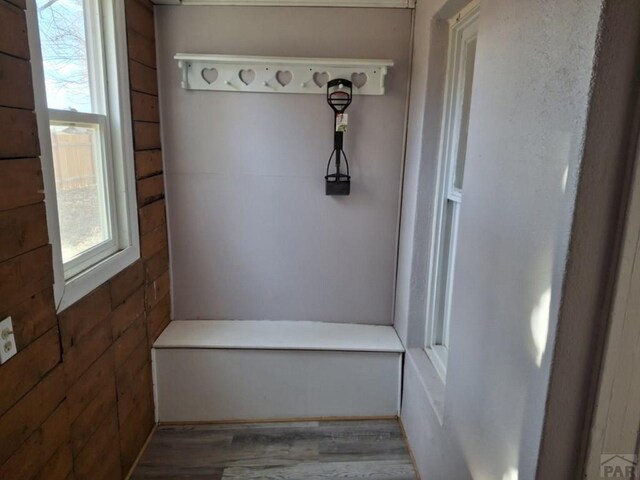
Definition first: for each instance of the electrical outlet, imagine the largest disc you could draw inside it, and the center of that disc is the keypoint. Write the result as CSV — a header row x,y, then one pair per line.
x,y
8,346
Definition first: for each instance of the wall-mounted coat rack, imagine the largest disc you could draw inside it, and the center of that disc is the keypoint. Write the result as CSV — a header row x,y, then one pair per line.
x,y
279,74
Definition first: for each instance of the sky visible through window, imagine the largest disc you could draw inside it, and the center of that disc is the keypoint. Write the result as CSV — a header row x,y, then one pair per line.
x,y
64,54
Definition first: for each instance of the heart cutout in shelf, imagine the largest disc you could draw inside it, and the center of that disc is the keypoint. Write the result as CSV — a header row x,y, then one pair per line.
x,y
359,79
247,76
320,78
209,75
284,77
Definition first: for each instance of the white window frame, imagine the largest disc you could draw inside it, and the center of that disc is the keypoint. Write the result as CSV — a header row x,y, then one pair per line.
x,y
97,265
463,29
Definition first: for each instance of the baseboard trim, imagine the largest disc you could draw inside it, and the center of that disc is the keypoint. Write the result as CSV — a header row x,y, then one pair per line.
x,y
282,420
406,444
144,447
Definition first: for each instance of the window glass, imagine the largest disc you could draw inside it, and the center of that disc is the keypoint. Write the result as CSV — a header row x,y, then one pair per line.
x,y
73,67
466,107
80,188
455,125
65,54
78,49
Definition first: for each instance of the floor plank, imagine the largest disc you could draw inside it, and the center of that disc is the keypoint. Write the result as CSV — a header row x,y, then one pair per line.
x,y
371,449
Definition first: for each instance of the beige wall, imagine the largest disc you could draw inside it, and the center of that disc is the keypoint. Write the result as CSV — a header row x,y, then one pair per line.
x,y
253,235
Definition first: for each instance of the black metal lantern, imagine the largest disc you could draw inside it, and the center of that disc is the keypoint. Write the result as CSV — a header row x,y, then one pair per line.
x,y
339,94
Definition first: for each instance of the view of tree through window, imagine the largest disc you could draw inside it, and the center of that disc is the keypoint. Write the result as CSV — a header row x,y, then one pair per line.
x,y
71,43
64,54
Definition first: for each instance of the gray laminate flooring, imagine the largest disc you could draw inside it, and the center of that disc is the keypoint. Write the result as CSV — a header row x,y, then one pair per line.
x,y
371,449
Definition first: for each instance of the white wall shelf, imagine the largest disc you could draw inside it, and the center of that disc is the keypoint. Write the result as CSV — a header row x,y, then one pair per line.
x,y
297,3
233,73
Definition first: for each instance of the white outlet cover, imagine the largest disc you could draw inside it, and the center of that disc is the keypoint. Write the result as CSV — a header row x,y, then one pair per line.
x,y
8,346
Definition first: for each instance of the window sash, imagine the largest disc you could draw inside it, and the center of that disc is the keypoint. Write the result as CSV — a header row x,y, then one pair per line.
x,y
96,64
103,250
115,119
463,32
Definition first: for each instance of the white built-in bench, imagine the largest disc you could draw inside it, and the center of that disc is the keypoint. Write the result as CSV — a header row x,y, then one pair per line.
x,y
245,370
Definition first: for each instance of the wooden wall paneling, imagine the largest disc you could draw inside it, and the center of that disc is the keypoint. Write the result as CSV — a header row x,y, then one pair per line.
x,y
20,183
142,78
125,344
28,369
20,133
134,431
112,467
81,402
13,30
98,378
157,290
148,163
140,18
156,265
19,3
79,357
141,49
150,189
133,399
23,276
91,417
84,315
145,107
36,451
32,318
22,229
158,318
16,84
127,312
152,242
151,216
146,135
126,283
90,461
26,416
59,466
128,371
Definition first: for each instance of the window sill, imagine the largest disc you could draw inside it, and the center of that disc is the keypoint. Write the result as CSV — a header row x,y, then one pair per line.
x,y
437,355
432,383
82,284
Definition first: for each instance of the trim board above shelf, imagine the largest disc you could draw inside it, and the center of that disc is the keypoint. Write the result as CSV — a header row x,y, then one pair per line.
x,y
244,73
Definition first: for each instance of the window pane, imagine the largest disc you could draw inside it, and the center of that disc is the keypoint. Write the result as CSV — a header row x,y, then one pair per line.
x,y
445,270
67,65
80,187
469,62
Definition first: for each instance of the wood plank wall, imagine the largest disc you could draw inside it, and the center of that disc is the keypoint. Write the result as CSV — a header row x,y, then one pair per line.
x,y
76,401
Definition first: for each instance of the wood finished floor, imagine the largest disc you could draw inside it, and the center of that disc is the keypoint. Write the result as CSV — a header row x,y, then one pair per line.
x,y
371,449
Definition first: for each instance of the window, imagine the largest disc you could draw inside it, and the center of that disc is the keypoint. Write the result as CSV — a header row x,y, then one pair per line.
x,y
463,33
81,85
